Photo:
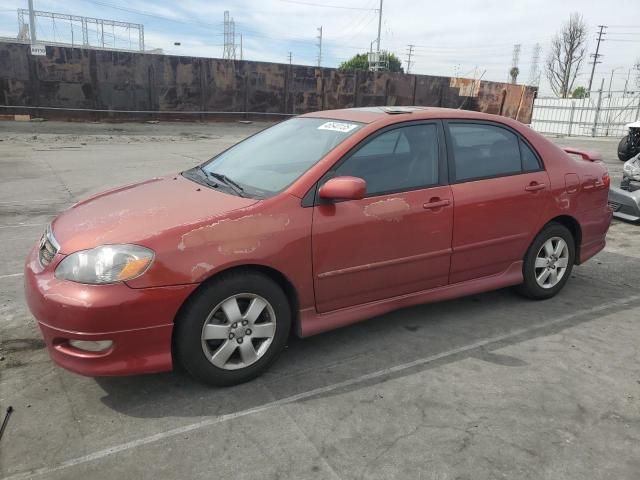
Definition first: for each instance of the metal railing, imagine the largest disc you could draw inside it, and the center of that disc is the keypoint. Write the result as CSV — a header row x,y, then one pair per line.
x,y
601,114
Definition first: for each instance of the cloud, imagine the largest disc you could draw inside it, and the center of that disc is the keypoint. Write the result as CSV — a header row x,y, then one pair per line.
x,y
464,36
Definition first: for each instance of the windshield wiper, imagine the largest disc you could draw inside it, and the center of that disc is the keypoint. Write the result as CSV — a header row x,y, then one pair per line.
x,y
227,181
205,177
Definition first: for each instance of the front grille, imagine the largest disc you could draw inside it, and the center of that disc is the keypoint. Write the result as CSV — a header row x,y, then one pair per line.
x,y
614,206
48,248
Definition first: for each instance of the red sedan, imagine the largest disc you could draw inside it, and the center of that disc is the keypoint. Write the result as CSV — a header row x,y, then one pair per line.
x,y
315,223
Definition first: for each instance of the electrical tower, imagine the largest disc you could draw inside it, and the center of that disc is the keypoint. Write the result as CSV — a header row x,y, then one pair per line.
x,y
319,37
80,31
534,72
229,52
409,53
514,71
596,55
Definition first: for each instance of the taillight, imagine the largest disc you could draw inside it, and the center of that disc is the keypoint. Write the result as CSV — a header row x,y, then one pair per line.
x,y
606,180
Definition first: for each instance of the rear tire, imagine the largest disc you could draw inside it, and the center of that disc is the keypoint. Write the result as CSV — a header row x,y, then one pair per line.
x,y
232,328
624,149
548,262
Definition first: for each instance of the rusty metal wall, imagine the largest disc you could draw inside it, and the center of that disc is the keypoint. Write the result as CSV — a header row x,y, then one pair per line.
x,y
103,80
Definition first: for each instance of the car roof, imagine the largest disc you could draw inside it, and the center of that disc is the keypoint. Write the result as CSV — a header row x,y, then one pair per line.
x,y
391,114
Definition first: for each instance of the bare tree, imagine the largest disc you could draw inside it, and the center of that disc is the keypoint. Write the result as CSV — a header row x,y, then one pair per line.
x,y
637,67
567,53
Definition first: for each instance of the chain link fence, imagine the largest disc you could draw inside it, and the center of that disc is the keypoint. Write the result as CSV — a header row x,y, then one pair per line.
x,y
601,114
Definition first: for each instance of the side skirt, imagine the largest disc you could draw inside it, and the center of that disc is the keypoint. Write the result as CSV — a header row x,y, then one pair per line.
x,y
312,323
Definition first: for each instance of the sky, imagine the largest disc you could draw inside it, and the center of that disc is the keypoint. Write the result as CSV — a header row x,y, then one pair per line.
x,y
470,38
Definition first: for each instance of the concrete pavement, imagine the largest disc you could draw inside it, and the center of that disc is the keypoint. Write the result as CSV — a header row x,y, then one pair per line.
x,y
490,386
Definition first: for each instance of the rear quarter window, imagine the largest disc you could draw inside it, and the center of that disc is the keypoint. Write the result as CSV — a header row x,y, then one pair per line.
x,y
530,162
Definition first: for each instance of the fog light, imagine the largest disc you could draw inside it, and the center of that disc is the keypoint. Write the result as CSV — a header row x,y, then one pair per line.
x,y
91,345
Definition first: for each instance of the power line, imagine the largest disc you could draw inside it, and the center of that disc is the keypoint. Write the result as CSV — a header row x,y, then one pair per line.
x,y
311,4
355,31
472,47
204,25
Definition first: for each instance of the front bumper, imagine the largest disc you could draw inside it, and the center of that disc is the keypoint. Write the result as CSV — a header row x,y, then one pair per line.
x,y
625,204
139,322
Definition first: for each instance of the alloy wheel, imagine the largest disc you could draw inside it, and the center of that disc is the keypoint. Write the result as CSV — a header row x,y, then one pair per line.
x,y
238,331
551,262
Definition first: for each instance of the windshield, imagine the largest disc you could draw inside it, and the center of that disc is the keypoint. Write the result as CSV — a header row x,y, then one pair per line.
x,y
271,160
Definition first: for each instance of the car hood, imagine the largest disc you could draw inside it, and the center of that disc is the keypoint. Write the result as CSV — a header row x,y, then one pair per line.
x,y
137,213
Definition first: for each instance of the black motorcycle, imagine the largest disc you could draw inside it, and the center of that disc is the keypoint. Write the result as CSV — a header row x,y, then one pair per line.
x,y
629,146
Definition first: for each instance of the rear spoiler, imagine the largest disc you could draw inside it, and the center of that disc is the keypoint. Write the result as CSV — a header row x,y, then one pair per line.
x,y
585,154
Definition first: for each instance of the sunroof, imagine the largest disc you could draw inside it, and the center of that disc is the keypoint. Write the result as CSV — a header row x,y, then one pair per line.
x,y
399,110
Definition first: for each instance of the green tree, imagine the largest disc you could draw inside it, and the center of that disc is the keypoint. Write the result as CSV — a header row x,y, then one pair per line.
x,y
395,64
513,73
360,62
579,92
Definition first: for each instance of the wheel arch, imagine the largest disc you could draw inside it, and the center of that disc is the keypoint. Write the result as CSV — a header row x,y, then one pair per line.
x,y
278,277
576,231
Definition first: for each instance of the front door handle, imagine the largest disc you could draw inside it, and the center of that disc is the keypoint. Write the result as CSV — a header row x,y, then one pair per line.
x,y
535,186
436,202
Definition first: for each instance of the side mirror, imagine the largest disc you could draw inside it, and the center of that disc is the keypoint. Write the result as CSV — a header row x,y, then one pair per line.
x,y
343,188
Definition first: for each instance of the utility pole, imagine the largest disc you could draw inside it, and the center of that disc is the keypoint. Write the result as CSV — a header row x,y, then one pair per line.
x,y
289,58
378,41
319,37
611,82
241,57
594,129
32,23
596,55
411,47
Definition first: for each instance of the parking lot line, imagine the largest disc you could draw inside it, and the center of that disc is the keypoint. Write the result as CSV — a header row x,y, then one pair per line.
x,y
45,471
20,225
11,275
35,200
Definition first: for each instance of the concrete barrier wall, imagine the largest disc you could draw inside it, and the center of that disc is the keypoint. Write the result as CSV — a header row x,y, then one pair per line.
x,y
77,78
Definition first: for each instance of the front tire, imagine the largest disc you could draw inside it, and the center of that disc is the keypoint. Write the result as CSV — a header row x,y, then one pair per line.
x,y
232,328
548,262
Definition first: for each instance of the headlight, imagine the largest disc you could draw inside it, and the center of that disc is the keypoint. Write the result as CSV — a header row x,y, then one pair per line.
x,y
105,264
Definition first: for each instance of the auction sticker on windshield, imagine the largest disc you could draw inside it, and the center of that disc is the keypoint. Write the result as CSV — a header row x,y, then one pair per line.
x,y
338,127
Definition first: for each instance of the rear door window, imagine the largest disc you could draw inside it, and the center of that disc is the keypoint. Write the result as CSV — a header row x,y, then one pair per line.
x,y
484,151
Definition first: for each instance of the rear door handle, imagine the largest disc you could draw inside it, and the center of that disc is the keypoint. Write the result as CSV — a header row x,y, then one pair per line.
x,y
436,203
535,186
